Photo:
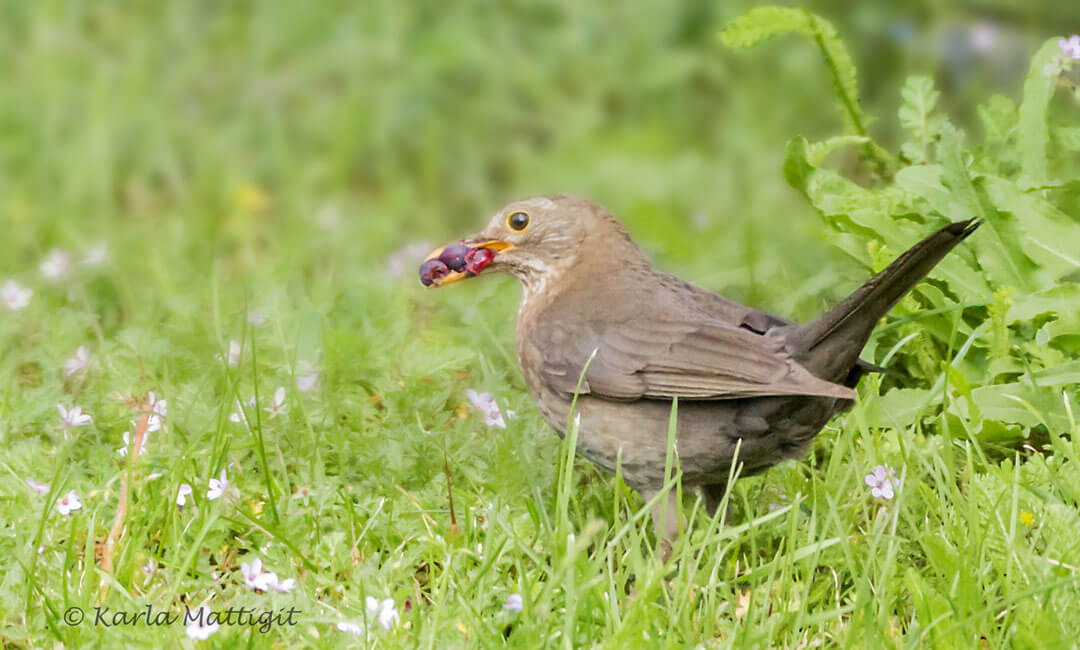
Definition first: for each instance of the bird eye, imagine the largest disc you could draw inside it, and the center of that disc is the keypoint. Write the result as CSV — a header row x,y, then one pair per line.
x,y
518,221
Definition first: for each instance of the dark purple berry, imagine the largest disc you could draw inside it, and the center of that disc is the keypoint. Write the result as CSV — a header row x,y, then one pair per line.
x,y
454,256
432,271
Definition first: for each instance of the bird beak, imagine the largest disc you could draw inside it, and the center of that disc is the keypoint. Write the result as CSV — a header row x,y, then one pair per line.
x,y
465,259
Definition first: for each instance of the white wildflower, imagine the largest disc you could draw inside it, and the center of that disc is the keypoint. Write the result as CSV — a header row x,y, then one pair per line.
x,y
77,363
15,296
56,264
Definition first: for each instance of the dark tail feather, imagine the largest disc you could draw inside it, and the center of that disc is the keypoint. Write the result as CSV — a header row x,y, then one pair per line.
x,y
831,344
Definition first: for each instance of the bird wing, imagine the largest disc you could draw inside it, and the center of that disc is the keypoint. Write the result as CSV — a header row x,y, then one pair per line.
x,y
761,322
699,359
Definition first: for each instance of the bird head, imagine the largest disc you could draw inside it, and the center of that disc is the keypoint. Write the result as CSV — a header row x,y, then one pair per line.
x,y
537,240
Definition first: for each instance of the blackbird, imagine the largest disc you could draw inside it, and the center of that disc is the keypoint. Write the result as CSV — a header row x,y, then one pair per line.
x,y
743,377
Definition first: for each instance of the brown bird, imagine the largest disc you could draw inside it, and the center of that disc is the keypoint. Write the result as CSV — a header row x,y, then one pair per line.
x,y
742,377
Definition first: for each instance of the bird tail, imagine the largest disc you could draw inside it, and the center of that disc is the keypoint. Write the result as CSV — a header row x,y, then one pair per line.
x,y
830,345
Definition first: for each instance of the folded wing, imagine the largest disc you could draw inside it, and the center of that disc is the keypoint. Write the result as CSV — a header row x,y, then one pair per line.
x,y
662,359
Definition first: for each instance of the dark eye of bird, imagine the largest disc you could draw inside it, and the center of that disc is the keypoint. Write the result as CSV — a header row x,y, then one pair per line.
x,y
518,221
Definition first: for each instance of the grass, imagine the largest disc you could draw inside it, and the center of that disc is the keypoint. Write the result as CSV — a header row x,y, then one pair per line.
x,y
271,159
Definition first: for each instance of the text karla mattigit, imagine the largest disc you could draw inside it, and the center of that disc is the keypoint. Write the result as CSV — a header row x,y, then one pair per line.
x,y
262,619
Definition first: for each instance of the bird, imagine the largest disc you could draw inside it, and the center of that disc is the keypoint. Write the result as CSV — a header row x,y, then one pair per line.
x,y
601,331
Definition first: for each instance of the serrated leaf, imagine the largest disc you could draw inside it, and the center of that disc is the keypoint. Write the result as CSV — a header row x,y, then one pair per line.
x,y
765,22
1033,130
920,98
926,182
948,190
998,118
998,256
915,115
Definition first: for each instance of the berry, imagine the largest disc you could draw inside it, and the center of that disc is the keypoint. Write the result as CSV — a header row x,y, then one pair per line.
x,y
477,259
454,255
432,271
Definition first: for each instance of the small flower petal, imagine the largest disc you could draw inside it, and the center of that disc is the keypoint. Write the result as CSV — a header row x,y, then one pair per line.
x,y
277,406
880,482
199,626
123,451
40,488
388,615
73,417
256,318
15,296
182,494
69,503
217,487
158,406
305,383
1070,47
251,572
349,627
78,362
514,603
234,353
383,612
96,255
486,404
56,264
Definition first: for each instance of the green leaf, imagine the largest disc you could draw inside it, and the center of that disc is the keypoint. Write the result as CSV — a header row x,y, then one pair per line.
x,y
920,98
998,256
1034,134
948,190
998,117
1069,136
765,22
1020,404
1048,236
1066,373
819,151
852,244
900,406
1060,300
797,166
926,182
803,158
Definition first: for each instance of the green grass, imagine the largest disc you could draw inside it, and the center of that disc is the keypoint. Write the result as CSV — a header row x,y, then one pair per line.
x,y
272,159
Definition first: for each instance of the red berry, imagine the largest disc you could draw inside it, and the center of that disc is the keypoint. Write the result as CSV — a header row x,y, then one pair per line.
x,y
478,258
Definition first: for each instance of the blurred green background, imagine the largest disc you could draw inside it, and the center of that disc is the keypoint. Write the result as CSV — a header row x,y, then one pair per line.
x,y
301,137
299,159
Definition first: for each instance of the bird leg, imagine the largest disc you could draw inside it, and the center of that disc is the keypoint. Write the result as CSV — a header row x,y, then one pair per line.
x,y
665,516
714,498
